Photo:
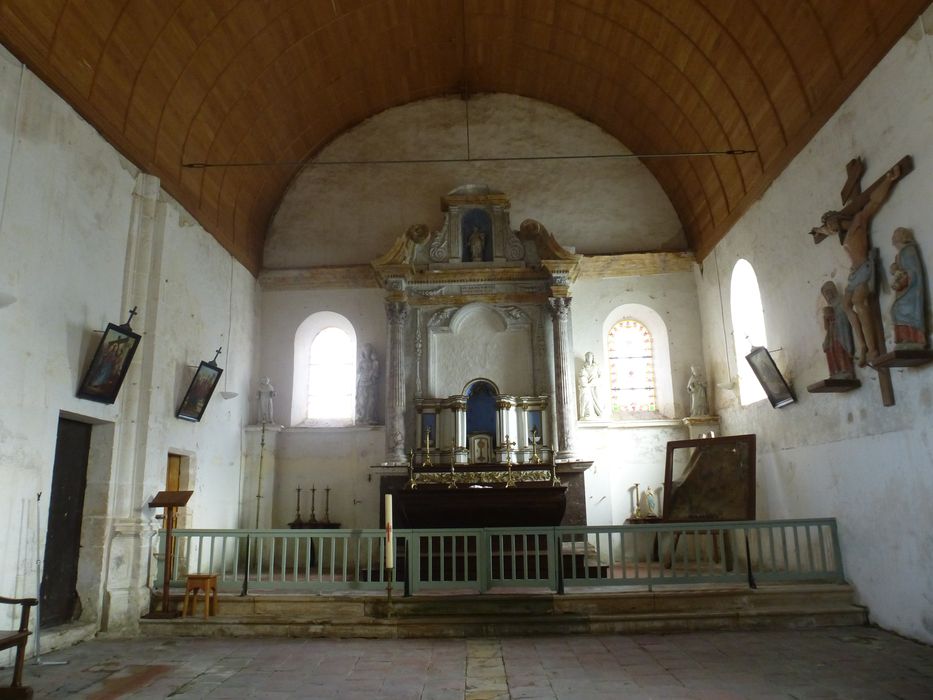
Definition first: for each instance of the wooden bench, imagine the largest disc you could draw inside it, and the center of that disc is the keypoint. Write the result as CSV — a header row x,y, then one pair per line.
x,y
17,638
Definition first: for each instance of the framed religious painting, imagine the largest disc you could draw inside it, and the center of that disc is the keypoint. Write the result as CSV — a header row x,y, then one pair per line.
x,y
772,381
110,363
199,392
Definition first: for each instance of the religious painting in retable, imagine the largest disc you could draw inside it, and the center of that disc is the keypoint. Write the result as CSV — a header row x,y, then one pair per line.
x,y
476,236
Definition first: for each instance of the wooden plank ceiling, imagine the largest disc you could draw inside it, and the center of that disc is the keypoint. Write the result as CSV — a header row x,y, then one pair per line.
x,y
178,81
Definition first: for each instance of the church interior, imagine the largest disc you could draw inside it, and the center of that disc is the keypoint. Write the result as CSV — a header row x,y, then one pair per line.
x,y
298,258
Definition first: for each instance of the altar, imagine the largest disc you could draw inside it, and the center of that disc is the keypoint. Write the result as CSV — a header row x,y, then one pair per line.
x,y
478,496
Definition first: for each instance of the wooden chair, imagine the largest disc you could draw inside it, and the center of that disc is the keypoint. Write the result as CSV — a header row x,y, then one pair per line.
x,y
17,638
206,583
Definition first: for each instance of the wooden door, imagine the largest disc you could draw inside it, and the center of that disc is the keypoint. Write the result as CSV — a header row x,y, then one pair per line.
x,y
63,531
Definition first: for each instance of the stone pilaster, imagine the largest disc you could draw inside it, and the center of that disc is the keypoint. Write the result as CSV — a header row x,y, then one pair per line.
x,y
396,315
565,398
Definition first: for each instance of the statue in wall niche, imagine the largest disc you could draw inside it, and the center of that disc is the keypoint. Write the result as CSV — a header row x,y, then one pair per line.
x,y
367,381
696,387
907,282
837,342
588,388
477,243
266,393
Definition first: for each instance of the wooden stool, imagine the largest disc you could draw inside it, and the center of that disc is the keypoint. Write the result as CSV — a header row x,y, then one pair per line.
x,y
201,582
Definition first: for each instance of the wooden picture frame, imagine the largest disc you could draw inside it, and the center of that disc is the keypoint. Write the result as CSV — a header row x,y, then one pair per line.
x,y
110,363
721,474
772,381
199,392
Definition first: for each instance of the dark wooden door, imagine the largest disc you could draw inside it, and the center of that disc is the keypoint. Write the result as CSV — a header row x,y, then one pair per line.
x,y
63,531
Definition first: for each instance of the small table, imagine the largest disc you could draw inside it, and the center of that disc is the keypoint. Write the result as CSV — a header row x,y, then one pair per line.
x,y
195,584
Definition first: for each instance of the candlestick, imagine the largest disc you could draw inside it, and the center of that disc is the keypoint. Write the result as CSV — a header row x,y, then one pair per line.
x,y
298,505
327,505
427,449
313,492
453,476
412,484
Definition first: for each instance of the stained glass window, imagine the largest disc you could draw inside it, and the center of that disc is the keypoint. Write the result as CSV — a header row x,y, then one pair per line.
x,y
331,376
632,383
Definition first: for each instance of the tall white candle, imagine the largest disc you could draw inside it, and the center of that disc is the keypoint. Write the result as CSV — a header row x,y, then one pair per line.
x,y
390,540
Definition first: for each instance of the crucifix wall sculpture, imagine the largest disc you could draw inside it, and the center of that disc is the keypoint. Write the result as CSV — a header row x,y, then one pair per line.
x,y
852,224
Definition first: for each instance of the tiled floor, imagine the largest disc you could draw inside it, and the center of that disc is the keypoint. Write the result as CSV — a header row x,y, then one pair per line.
x,y
850,663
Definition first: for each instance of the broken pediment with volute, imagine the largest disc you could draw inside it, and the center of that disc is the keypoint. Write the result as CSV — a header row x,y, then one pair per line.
x,y
476,238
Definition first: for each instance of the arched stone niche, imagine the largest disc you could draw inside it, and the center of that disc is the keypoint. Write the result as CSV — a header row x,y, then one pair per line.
x,y
480,340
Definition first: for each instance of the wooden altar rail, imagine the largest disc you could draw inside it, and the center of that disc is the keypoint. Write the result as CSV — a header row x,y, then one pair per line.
x,y
552,558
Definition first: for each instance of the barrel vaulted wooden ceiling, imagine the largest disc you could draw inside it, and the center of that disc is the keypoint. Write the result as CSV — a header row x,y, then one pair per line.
x,y
170,82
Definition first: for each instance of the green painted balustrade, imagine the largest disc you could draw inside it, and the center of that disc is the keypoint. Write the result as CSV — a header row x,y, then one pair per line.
x,y
557,559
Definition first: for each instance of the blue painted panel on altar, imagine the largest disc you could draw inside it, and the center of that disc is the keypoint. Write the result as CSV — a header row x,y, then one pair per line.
x,y
534,422
429,420
481,408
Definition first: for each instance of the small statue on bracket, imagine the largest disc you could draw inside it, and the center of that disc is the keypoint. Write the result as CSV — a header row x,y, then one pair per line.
x,y
907,282
837,342
699,400
265,394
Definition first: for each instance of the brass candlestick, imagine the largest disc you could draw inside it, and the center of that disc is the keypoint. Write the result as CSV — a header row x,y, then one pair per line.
x,y
427,449
412,484
312,519
508,462
452,483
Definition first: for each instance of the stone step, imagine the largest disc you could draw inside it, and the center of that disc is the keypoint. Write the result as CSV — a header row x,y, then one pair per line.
x,y
521,615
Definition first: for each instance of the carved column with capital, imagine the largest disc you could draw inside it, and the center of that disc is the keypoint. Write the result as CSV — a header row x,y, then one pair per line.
x,y
396,315
565,399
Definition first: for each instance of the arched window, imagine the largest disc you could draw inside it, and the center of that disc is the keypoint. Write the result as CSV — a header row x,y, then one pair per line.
x,y
632,381
324,387
331,370
748,328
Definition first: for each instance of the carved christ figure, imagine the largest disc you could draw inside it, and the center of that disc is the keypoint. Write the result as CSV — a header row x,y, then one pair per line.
x,y
852,226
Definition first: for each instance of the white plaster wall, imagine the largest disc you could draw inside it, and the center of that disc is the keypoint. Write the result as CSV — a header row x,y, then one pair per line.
x,y
597,206
672,295
842,455
623,454
339,458
66,212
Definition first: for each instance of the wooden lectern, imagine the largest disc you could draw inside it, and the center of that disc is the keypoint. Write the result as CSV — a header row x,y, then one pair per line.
x,y
170,500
